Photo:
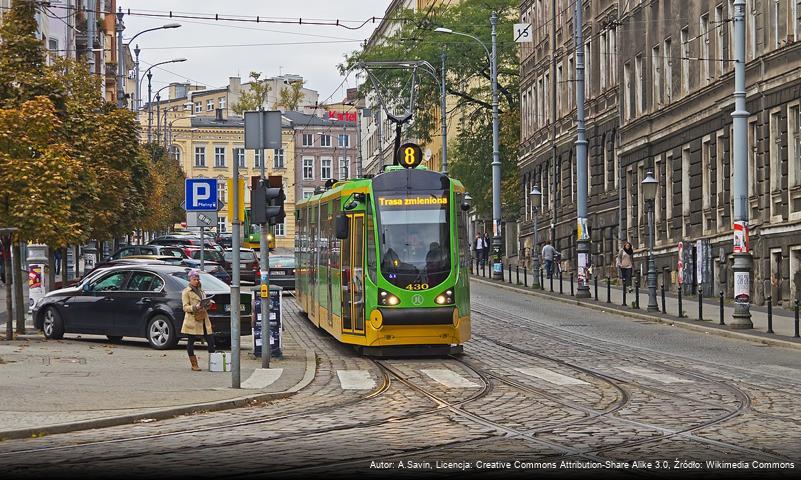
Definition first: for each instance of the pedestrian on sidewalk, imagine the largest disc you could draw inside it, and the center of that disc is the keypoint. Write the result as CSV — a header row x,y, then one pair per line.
x,y
626,264
549,254
478,246
57,260
196,318
485,241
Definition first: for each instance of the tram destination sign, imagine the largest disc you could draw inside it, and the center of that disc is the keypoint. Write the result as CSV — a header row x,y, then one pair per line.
x,y
413,201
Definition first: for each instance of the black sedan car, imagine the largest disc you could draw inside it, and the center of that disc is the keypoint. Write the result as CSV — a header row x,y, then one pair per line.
x,y
135,301
282,271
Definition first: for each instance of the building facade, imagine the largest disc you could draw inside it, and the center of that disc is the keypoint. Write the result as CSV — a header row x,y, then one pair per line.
x,y
659,98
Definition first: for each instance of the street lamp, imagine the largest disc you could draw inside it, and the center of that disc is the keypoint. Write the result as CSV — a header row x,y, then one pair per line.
x,y
649,186
497,266
149,96
536,195
137,104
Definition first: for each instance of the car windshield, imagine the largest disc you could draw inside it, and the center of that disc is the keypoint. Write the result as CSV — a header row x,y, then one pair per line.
x,y
207,281
282,262
212,255
414,237
244,256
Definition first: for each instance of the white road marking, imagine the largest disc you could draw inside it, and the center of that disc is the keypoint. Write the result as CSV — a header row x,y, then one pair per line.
x,y
659,377
355,379
550,376
450,378
262,377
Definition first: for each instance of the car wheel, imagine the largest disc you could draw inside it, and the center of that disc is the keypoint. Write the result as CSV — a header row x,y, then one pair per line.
x,y
53,325
161,334
114,338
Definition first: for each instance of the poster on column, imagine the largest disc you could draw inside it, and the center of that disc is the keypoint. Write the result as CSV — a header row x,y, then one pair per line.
x,y
582,268
742,287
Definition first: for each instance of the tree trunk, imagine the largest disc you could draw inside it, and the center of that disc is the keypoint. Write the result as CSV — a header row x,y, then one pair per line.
x,y
51,269
76,259
18,279
8,280
64,263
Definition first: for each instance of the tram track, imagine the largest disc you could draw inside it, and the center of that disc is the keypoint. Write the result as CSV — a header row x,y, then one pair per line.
x,y
743,399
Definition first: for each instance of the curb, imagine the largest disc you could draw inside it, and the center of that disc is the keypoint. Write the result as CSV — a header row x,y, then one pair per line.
x,y
676,322
163,414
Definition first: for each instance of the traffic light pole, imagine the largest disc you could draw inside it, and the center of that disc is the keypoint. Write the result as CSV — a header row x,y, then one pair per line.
x,y
264,263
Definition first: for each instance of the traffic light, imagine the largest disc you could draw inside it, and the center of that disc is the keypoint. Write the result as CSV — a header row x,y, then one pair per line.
x,y
271,241
267,201
275,205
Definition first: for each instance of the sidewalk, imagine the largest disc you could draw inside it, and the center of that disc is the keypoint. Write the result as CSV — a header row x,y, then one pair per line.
x,y
783,321
84,382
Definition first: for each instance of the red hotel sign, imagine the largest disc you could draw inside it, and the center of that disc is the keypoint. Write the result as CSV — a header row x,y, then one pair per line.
x,y
346,117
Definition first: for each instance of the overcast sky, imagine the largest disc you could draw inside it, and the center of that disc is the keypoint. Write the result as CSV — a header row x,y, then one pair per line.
x,y
211,58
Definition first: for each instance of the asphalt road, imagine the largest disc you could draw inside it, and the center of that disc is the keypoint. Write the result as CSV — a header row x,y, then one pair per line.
x,y
543,388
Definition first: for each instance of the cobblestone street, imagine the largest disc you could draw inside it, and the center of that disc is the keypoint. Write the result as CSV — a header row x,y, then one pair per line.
x,y
539,384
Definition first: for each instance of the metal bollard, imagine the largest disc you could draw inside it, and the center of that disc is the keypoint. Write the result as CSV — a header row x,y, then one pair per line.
x,y
551,280
700,303
542,278
770,314
517,273
608,290
680,312
510,273
484,270
571,284
624,295
796,319
561,290
637,295
664,309
721,309
525,276
596,288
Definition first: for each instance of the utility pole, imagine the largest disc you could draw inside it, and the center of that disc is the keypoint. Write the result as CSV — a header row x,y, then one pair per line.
x,y
583,237
149,108
137,104
120,61
554,193
235,297
743,263
497,273
264,259
359,158
443,114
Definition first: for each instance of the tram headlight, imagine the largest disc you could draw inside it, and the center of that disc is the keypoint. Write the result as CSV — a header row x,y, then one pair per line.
x,y
445,298
386,298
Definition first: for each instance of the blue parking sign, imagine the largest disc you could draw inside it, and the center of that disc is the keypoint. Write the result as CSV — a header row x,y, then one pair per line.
x,y
201,195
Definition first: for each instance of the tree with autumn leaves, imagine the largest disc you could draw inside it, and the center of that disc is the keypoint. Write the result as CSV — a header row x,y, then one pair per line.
x,y
71,165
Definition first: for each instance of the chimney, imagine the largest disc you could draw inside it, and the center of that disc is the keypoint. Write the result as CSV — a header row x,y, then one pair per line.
x,y
218,116
234,84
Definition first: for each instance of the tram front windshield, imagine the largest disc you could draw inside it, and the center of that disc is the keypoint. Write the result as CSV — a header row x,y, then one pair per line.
x,y
414,238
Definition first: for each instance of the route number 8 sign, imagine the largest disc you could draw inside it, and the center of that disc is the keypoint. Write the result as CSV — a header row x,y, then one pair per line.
x,y
409,155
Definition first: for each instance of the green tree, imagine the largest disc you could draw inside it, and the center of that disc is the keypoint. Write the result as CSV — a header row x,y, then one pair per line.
x,y
253,98
289,98
468,80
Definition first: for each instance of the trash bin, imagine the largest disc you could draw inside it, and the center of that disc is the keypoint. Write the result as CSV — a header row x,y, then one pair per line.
x,y
37,266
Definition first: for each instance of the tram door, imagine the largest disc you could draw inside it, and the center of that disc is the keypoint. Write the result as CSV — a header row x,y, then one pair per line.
x,y
353,276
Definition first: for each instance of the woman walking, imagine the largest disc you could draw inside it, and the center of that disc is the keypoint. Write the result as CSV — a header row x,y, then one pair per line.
x,y
196,319
625,263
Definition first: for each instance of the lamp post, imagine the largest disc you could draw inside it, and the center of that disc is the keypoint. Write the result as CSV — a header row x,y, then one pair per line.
x,y
149,75
137,103
536,195
496,155
158,113
649,187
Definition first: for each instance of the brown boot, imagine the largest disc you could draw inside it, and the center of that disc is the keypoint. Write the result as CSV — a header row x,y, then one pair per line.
x,y
193,361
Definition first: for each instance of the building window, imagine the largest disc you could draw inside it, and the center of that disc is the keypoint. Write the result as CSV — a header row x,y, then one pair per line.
x,y
667,71
198,107
307,193
718,36
325,168
221,225
656,78
175,153
308,140
257,159
344,140
308,168
219,156
559,87
222,102
210,105
703,41
720,179
239,154
685,60
279,230
668,192
200,156
344,168
794,144
685,188
753,157
222,190
278,158
638,86
325,140
628,98
707,193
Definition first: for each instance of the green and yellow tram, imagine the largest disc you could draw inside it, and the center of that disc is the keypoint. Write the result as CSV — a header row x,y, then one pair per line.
x,y
382,263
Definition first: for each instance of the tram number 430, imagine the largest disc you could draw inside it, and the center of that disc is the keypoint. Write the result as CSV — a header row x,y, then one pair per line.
x,y
410,155
417,286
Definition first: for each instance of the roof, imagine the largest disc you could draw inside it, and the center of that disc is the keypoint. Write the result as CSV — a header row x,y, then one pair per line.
x,y
230,122
301,120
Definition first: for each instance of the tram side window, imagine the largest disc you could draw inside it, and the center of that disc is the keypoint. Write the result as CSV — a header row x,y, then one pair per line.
x,y
324,234
464,243
371,257
334,243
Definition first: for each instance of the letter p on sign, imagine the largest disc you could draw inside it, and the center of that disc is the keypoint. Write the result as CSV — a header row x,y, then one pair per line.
x,y
200,193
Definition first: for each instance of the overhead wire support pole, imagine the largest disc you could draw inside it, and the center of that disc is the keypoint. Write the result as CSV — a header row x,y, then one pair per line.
x,y
496,156
444,114
583,238
120,26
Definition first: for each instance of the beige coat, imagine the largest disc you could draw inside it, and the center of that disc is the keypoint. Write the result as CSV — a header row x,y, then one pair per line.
x,y
624,259
193,321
